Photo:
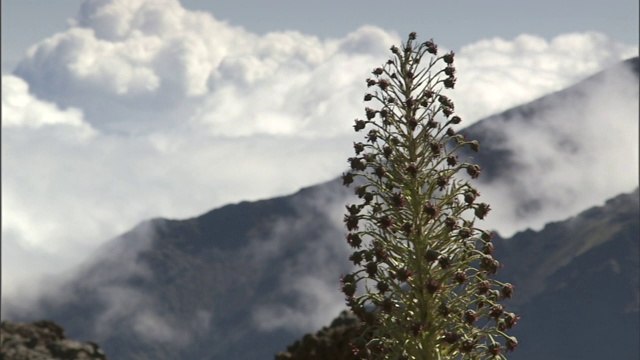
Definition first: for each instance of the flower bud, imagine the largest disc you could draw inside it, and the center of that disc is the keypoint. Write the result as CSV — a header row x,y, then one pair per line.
x,y
387,151
368,197
467,346
507,291
511,320
354,240
356,164
494,349
435,147
430,210
460,277
383,84
412,169
444,262
417,328
464,233
445,101
449,70
449,83
511,343
380,253
351,221
353,209
496,311
432,286
444,310
407,228
347,179
349,289
483,287
482,210
398,200
470,316
489,264
368,97
448,58
451,337
385,222
372,268
442,182
372,136
382,286
431,255
403,275
474,145
474,171
360,124
378,71
487,248
431,47
370,113
428,94
451,222
470,196
356,258
412,123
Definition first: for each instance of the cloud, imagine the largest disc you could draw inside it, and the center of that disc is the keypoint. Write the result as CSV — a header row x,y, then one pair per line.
x,y
578,152
497,74
144,109
307,294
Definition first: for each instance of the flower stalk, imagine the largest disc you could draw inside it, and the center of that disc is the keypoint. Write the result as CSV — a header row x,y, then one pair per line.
x,y
423,285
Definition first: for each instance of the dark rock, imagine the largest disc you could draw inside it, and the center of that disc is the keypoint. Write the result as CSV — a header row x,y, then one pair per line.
x,y
331,342
43,340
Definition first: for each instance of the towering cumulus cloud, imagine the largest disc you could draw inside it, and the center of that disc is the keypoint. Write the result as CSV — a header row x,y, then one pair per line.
x,y
143,109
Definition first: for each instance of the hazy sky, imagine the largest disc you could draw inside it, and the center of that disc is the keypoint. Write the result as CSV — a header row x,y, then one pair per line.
x,y
455,23
119,111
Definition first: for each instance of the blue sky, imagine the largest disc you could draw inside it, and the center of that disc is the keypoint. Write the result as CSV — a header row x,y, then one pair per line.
x,y
455,23
115,112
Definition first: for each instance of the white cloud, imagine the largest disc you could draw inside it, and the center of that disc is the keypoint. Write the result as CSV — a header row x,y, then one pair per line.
x,y
496,74
21,109
578,152
144,109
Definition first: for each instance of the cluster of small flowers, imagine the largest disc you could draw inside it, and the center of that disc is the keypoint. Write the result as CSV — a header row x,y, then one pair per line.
x,y
411,238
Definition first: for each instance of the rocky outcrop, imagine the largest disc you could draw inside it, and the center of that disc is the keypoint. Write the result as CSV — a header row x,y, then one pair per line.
x,y
43,340
329,343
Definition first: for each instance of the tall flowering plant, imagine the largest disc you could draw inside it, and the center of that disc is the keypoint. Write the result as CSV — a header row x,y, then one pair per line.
x,y
424,284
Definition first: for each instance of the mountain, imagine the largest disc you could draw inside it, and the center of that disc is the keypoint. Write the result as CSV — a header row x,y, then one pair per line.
x,y
578,290
245,280
238,282
579,284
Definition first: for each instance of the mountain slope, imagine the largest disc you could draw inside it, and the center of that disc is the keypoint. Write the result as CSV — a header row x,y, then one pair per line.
x,y
238,282
578,284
